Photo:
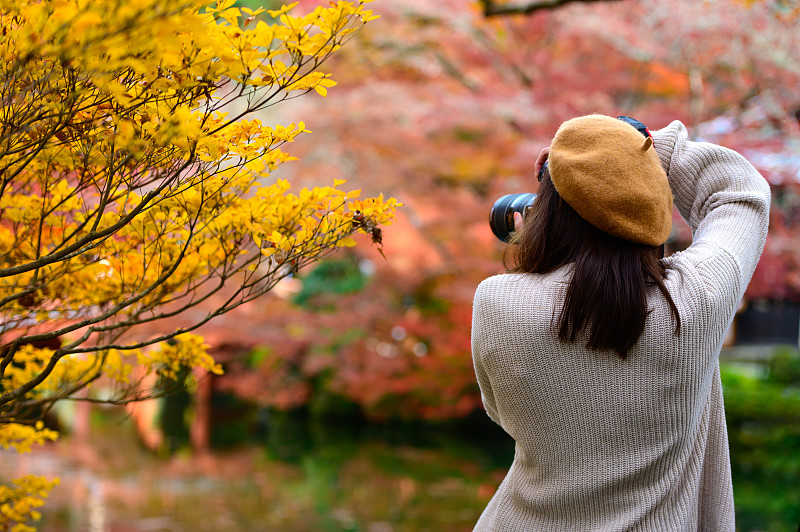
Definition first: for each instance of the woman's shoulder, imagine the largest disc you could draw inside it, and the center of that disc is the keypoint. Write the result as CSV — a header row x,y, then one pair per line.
x,y
507,285
500,280
495,286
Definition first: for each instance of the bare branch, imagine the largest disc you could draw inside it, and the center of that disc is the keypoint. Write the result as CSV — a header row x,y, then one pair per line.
x,y
492,9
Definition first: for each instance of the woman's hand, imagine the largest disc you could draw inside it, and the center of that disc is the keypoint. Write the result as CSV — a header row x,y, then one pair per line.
x,y
541,159
518,219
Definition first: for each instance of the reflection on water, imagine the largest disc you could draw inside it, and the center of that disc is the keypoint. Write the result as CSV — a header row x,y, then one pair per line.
x,y
341,478
344,479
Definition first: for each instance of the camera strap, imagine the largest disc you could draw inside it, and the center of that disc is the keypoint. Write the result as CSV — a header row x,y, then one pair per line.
x,y
641,128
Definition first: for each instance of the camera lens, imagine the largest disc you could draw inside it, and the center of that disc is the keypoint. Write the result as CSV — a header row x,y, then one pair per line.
x,y
501,217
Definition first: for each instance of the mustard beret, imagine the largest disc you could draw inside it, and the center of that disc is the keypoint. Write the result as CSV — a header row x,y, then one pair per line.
x,y
612,176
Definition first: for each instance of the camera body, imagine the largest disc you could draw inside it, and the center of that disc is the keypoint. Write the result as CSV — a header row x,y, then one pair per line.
x,y
501,217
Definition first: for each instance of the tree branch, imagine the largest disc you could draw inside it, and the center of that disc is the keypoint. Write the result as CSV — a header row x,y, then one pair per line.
x,y
492,9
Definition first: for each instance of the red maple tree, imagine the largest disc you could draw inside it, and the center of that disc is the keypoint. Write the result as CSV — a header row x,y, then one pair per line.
x,y
446,109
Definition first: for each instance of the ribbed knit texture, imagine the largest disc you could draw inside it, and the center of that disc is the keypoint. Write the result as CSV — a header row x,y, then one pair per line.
x,y
638,444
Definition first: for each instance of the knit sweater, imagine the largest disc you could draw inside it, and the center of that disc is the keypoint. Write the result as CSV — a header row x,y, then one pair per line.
x,y
604,443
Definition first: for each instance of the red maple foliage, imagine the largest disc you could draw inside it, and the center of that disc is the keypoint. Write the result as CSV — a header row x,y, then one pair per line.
x,y
446,110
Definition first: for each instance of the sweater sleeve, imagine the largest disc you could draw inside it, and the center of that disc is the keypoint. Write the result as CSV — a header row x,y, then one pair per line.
x,y
725,201
479,341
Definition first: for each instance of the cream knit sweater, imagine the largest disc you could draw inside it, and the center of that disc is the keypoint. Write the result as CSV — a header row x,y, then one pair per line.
x,y
639,444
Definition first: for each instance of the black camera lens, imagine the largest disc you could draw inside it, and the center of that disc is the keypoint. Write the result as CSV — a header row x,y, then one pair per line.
x,y
501,217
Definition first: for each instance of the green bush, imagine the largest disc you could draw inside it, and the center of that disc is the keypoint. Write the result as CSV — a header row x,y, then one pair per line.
x,y
762,403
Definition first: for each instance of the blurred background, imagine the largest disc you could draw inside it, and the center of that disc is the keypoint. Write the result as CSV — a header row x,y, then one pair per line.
x,y
349,401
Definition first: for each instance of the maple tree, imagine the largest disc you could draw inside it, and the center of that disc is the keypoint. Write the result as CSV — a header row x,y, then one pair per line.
x,y
447,109
132,164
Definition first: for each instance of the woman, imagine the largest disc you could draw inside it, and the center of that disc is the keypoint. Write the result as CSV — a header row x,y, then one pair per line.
x,y
599,358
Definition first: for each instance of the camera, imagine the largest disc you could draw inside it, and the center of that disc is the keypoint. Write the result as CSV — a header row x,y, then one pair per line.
x,y
501,217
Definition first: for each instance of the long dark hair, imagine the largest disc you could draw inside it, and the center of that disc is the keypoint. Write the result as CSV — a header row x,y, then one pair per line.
x,y
608,290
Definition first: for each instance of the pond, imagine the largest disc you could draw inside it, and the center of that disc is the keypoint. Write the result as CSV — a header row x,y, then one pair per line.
x,y
338,479
334,476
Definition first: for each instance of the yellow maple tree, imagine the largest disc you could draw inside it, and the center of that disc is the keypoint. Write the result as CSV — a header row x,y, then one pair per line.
x,y
134,186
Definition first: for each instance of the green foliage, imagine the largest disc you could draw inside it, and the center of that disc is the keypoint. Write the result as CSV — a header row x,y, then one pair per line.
x,y
784,367
426,298
257,356
287,436
763,412
255,4
752,397
327,406
231,421
330,278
